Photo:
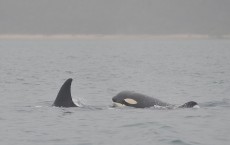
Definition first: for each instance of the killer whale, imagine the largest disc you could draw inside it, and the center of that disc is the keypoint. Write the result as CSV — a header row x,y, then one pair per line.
x,y
137,100
64,98
124,98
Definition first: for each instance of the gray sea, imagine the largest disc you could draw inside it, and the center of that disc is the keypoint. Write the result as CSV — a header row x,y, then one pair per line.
x,y
174,71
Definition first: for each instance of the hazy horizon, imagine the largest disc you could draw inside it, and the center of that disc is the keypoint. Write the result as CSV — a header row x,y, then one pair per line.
x,y
107,17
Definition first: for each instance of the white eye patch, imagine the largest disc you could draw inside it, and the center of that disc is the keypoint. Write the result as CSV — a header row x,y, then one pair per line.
x,y
130,101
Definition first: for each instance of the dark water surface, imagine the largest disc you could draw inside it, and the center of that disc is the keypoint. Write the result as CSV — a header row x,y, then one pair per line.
x,y
173,71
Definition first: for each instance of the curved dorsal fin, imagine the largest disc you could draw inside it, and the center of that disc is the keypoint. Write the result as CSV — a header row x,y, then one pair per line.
x,y
64,98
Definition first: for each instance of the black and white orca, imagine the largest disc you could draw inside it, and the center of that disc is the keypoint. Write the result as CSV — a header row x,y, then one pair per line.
x,y
137,100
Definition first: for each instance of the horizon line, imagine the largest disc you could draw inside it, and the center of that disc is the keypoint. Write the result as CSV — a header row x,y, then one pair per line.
x,y
109,36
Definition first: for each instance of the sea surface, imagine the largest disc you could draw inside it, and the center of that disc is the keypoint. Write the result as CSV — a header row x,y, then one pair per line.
x,y
174,71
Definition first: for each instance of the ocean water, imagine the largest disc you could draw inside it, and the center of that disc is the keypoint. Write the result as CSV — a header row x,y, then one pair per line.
x,y
174,71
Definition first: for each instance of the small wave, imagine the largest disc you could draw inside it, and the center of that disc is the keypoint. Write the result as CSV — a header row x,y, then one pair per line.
x,y
178,142
165,127
193,116
89,107
141,124
222,103
43,104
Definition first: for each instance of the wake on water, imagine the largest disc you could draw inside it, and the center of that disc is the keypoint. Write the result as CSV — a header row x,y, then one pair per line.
x,y
82,103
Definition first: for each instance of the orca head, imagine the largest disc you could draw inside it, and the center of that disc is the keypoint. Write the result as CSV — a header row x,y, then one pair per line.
x,y
190,104
64,98
118,101
124,98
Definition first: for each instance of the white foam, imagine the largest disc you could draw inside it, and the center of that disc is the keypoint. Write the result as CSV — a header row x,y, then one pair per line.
x,y
196,107
79,102
115,104
159,107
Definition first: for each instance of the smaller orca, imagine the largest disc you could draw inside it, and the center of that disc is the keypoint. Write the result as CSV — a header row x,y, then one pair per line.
x,y
137,100
64,98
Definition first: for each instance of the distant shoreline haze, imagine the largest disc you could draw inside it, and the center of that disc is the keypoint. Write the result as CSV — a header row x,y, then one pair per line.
x,y
110,17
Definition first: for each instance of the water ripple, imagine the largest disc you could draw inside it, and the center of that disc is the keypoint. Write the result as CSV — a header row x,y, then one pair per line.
x,y
223,103
142,124
179,142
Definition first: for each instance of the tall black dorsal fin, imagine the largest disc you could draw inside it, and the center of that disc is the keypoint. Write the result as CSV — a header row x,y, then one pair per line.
x,y
64,98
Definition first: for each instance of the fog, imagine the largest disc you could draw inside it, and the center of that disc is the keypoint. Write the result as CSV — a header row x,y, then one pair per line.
x,y
209,17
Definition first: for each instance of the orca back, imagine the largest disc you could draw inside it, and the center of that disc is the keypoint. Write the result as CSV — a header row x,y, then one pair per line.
x,y
189,104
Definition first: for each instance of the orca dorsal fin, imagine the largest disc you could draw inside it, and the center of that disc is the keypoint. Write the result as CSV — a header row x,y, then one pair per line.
x,y
189,104
64,98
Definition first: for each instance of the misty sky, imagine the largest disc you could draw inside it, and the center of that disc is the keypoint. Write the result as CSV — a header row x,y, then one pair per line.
x,y
115,17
